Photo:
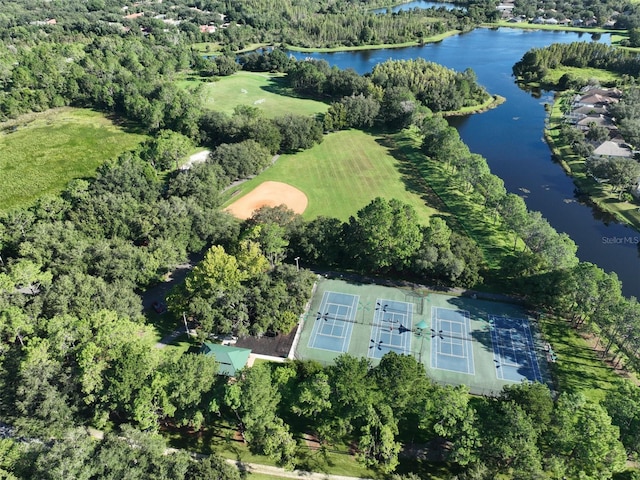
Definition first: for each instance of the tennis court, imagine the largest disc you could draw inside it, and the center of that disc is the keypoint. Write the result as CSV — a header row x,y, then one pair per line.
x,y
455,338
334,322
392,328
451,342
513,349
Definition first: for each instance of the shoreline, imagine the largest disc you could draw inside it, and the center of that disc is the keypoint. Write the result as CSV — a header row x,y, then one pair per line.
x,y
585,185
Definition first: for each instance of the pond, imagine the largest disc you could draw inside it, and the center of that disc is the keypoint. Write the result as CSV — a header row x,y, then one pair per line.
x,y
510,137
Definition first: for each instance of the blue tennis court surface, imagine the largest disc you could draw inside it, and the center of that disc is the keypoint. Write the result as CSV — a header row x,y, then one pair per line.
x,y
451,342
391,329
513,350
334,322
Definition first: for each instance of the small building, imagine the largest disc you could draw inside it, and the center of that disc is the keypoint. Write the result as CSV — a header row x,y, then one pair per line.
x,y
231,359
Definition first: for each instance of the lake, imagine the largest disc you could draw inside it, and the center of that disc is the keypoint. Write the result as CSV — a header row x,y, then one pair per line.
x,y
403,7
510,137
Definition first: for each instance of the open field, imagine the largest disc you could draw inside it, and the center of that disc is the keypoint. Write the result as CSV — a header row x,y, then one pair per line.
x,y
263,90
604,77
599,193
41,152
342,175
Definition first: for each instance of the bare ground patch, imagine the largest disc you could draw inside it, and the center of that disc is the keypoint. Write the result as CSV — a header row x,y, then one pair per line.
x,y
269,194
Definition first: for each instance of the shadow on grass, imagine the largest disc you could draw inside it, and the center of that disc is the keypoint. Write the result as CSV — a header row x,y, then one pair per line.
x,y
279,86
429,180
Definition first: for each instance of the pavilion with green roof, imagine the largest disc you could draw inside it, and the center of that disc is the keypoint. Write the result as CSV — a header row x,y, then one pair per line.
x,y
231,359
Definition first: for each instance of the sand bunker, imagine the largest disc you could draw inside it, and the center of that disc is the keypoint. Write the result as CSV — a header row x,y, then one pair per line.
x,y
270,194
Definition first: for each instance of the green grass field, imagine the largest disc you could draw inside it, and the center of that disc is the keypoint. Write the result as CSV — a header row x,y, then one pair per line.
x,y
585,74
41,152
578,368
263,90
343,174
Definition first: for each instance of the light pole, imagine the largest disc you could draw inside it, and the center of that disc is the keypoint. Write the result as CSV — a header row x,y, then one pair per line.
x,y
297,264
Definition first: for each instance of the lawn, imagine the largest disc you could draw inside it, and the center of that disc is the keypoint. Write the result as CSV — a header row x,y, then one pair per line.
x,y
343,174
266,91
578,368
586,74
41,152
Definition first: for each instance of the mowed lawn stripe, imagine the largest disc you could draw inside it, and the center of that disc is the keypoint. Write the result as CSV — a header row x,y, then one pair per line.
x,y
340,176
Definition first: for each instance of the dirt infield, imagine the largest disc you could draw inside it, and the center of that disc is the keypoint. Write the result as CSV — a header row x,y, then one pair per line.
x,y
270,194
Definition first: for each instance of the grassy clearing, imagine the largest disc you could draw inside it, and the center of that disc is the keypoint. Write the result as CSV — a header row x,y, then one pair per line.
x,y
604,77
579,368
266,91
343,174
599,193
41,152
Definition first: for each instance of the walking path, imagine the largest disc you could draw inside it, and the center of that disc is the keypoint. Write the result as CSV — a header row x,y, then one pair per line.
x,y
282,473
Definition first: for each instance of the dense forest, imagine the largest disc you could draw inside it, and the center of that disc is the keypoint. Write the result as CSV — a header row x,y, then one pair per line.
x,y
523,432
75,348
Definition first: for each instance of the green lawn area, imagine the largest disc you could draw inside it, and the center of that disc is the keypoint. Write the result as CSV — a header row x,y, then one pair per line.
x,y
600,193
578,368
343,174
605,77
266,91
41,152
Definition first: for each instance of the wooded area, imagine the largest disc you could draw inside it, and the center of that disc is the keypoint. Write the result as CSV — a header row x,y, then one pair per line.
x,y
76,349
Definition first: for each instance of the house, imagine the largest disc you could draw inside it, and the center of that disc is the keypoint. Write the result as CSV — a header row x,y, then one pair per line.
x,y
601,120
231,359
612,148
208,29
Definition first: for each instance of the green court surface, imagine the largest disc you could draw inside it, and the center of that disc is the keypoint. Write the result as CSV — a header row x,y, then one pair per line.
x,y
453,337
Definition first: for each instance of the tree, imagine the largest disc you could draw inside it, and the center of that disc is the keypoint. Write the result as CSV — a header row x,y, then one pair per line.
x,y
584,439
510,440
166,149
398,107
446,413
314,396
384,235
597,133
298,132
376,443
360,111
241,160
335,118
623,406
